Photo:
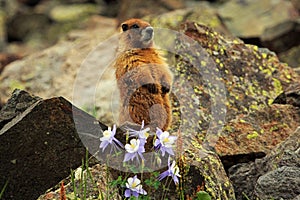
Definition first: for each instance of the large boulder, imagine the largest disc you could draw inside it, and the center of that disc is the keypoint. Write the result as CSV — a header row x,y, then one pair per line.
x,y
272,177
266,21
242,82
172,20
38,146
229,87
138,9
281,183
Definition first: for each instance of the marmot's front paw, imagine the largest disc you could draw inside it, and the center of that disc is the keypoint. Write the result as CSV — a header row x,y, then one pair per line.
x,y
152,88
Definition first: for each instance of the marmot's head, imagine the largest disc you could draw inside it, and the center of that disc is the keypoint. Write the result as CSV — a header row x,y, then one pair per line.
x,y
135,33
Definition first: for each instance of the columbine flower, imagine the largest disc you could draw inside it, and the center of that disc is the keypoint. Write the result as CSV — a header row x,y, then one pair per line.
x,y
109,138
134,150
164,142
173,171
134,187
142,134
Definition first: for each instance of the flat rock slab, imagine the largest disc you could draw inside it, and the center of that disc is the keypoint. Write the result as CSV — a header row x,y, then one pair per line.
x,y
39,147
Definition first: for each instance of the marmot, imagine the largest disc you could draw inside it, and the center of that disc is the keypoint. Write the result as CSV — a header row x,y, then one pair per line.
x,y
143,78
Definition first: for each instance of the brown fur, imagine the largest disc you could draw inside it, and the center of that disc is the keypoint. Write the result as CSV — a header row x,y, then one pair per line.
x,y
143,78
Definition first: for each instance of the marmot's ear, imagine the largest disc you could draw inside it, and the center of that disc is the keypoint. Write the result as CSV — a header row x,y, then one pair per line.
x,y
124,27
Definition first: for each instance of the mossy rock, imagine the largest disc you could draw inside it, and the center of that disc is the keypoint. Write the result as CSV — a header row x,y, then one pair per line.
x,y
172,20
67,13
217,78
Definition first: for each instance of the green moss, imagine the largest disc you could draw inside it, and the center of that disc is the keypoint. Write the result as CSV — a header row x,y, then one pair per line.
x,y
15,84
277,86
252,135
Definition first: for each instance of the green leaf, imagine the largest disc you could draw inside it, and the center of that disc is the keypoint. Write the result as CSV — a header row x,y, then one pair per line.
x,y
201,195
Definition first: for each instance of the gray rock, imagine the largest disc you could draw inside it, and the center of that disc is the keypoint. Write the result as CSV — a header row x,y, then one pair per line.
x,y
249,19
18,103
72,12
282,36
24,25
39,146
244,176
281,183
291,95
173,19
77,58
297,197
291,57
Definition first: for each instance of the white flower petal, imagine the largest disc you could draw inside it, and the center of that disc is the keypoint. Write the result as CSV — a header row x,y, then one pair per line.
x,y
133,146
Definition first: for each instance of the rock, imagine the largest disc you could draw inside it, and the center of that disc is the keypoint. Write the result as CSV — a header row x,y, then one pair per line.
x,y
227,82
53,71
291,96
281,183
72,12
40,145
251,18
292,57
247,138
22,26
246,80
18,103
36,28
282,36
285,156
139,9
6,58
268,20
204,167
172,20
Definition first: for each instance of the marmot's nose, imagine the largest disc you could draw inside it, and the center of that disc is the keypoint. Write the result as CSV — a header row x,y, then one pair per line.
x,y
149,30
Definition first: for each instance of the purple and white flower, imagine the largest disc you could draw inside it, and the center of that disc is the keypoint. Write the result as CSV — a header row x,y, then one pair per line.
x,y
142,134
172,171
134,150
164,142
109,139
134,187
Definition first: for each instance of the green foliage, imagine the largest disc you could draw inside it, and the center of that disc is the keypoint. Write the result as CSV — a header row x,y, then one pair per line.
x,y
202,195
3,189
119,181
85,175
153,182
246,197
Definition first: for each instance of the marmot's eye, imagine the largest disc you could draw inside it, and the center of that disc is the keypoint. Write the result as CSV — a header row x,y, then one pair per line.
x,y
135,26
124,27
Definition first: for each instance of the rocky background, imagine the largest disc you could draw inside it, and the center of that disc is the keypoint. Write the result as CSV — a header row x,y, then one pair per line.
x,y
44,43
